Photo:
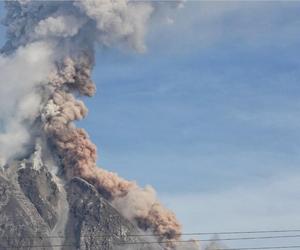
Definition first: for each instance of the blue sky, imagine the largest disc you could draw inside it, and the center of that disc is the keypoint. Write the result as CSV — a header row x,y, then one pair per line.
x,y
209,115
210,102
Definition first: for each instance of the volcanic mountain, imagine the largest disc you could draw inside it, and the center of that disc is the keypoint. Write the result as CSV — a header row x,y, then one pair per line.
x,y
53,194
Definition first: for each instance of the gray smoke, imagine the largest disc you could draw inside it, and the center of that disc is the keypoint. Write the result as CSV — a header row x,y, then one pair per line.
x,y
48,59
21,76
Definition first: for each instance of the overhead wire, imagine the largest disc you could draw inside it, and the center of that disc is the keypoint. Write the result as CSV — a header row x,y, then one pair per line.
x,y
197,234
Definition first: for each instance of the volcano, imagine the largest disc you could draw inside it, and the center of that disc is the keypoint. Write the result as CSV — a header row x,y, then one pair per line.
x,y
53,193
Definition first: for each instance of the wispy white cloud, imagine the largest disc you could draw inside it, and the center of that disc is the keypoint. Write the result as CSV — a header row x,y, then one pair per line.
x,y
285,120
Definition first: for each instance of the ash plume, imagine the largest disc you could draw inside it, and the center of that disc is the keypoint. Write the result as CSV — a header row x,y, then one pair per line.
x,y
56,40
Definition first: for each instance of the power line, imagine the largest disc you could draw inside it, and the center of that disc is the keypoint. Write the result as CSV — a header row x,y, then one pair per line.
x,y
253,248
254,238
189,234
259,248
217,239
244,232
207,240
183,241
236,248
264,247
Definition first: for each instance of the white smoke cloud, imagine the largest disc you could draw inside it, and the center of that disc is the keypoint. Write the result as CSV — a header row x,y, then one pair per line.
x,y
60,26
137,203
19,102
73,28
118,21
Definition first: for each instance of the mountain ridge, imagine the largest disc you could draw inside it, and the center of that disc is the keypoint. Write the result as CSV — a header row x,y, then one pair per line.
x,y
39,211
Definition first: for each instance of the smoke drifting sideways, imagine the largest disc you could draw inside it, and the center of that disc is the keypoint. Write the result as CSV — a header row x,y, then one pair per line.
x,y
46,64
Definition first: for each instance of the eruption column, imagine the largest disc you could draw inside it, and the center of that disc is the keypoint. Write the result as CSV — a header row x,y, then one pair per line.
x,y
71,29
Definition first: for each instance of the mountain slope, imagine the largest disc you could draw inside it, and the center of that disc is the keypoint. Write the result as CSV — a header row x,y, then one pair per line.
x,y
38,211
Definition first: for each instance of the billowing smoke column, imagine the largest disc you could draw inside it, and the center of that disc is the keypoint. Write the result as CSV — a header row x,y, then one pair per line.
x,y
68,32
